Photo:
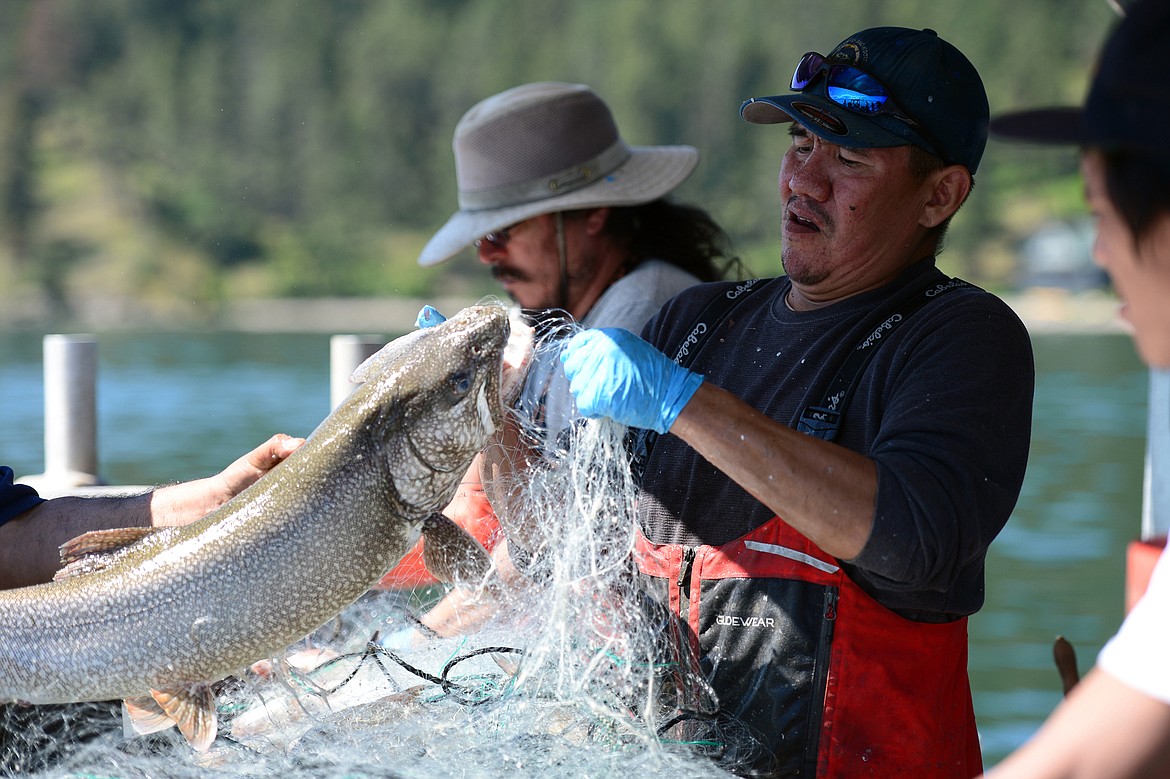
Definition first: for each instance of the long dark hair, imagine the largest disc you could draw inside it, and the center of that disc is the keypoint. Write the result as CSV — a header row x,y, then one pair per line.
x,y
682,235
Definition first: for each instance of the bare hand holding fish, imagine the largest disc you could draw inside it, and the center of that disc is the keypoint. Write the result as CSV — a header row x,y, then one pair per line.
x,y
30,542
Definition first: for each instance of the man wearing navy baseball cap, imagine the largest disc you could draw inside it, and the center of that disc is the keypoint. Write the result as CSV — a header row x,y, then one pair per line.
x,y
829,453
941,106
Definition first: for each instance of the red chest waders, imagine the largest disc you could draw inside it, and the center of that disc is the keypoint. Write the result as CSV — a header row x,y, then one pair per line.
x,y
824,680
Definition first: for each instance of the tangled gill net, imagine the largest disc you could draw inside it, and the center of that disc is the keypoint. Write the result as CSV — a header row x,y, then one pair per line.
x,y
569,674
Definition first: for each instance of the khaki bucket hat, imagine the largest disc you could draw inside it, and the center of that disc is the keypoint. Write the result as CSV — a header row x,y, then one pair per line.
x,y
547,147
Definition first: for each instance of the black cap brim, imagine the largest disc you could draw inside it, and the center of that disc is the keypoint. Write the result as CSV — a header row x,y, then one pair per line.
x,y
1065,125
823,118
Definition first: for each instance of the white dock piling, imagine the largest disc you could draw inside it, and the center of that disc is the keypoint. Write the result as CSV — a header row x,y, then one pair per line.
x,y
70,411
346,353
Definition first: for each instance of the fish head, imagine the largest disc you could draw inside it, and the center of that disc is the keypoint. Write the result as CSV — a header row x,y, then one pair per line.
x,y
435,397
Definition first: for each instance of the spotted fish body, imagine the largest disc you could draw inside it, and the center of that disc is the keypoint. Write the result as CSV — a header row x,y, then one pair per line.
x,y
184,607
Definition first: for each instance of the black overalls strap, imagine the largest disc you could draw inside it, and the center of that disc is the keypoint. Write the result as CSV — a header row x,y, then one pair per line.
x,y
822,418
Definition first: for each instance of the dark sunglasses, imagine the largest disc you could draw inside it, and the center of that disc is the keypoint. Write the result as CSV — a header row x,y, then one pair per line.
x,y
497,238
853,89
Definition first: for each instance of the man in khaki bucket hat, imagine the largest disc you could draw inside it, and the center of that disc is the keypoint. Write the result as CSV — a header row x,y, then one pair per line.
x,y
571,220
561,207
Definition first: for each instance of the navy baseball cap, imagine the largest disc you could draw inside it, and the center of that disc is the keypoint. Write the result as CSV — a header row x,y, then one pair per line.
x,y
887,86
1128,105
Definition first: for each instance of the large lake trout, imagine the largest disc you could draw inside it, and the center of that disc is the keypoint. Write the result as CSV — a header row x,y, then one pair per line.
x,y
156,617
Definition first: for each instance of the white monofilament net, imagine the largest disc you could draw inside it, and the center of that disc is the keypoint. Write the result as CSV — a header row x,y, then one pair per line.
x,y
569,676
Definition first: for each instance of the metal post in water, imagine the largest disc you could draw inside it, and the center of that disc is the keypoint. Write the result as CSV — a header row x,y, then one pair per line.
x,y
1156,492
346,353
70,410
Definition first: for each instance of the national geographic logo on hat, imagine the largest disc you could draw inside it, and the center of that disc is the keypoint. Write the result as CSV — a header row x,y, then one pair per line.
x,y
822,119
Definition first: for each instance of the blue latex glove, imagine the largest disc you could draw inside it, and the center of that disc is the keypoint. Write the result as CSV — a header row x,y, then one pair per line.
x,y
429,316
614,373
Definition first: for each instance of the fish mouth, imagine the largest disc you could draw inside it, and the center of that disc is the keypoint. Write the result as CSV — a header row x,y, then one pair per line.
x,y
517,357
507,344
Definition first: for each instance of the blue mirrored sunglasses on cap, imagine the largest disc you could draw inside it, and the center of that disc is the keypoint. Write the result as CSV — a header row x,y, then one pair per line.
x,y
851,88
847,85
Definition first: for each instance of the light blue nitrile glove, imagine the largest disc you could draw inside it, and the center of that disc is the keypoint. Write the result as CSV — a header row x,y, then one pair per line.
x,y
614,373
429,316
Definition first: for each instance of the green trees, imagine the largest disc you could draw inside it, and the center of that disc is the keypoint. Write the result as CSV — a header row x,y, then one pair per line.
x,y
196,149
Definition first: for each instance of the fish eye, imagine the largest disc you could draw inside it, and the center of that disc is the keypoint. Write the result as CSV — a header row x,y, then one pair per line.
x,y
461,382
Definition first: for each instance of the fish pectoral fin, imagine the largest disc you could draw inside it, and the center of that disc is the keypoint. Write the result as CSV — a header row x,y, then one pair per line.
x,y
452,554
193,711
97,549
145,716
101,541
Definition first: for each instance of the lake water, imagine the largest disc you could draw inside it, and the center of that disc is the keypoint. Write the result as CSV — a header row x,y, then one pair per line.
x,y
177,406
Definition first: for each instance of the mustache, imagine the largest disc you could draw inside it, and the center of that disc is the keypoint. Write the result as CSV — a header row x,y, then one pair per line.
x,y
502,273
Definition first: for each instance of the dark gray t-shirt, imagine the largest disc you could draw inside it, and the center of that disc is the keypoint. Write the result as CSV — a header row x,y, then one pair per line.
x,y
944,410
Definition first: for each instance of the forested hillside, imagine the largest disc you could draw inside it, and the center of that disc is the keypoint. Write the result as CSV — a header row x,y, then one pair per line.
x,y
179,152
